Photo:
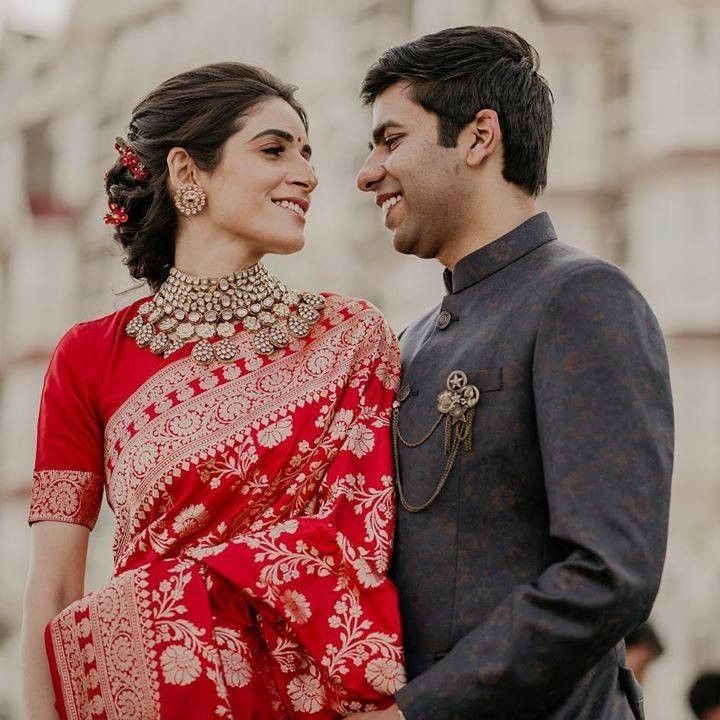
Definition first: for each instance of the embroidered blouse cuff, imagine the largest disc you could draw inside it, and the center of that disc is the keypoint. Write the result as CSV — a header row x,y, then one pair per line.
x,y
72,496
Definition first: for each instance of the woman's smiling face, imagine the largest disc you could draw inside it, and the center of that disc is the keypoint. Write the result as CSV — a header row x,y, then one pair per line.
x,y
260,190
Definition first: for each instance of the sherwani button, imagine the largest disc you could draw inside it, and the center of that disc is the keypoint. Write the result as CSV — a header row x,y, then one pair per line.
x,y
403,393
444,319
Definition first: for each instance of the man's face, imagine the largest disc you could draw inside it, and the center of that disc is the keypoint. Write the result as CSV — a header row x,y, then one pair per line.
x,y
420,186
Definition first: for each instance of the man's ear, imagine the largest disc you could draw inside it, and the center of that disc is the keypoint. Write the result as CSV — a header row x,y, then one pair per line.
x,y
181,168
484,136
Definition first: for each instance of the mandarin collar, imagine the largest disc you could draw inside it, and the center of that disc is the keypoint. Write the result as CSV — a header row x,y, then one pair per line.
x,y
500,253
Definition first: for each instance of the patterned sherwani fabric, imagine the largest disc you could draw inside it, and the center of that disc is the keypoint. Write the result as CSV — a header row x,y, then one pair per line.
x,y
547,543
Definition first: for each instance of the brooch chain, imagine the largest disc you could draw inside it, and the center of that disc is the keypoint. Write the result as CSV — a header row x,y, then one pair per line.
x,y
456,405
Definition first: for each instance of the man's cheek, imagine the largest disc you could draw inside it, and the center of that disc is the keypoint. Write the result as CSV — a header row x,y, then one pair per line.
x,y
390,165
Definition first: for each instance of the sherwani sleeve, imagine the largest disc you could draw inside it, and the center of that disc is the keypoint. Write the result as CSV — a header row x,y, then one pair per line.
x,y
605,430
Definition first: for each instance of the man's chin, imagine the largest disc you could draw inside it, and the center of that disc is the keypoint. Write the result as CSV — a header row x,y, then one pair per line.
x,y
412,244
403,250
404,243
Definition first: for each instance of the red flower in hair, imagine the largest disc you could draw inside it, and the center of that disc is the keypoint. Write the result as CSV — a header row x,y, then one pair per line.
x,y
130,160
117,215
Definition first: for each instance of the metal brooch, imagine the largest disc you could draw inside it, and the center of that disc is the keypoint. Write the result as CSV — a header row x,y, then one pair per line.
x,y
459,398
456,405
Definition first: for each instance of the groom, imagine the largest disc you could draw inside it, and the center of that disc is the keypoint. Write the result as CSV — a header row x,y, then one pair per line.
x,y
534,426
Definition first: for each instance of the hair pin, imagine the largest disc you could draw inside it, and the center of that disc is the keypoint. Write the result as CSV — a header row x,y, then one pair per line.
x,y
117,215
129,158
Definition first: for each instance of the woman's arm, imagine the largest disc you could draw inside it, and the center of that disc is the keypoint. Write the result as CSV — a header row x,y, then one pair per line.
x,y
56,578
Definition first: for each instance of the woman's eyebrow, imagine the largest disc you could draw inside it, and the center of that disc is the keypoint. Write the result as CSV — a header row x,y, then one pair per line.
x,y
283,135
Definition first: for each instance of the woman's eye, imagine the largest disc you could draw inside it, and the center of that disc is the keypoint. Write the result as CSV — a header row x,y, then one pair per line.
x,y
276,151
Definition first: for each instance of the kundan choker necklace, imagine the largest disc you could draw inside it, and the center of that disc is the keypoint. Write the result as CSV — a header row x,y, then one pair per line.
x,y
189,309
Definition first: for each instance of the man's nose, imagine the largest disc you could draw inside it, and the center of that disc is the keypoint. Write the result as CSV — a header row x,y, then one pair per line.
x,y
370,174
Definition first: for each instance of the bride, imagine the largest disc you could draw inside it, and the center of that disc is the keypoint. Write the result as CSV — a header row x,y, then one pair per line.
x,y
240,431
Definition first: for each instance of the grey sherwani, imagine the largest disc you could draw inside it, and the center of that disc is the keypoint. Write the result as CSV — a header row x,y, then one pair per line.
x,y
546,545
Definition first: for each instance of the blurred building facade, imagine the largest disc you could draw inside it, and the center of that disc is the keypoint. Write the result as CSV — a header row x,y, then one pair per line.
x,y
634,178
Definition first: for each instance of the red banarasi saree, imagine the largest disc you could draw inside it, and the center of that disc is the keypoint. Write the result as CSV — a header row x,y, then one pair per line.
x,y
254,512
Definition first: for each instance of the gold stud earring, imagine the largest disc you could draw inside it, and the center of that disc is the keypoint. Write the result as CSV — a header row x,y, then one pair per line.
x,y
190,199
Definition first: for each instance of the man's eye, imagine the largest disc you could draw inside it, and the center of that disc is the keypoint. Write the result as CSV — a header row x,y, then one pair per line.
x,y
391,142
276,151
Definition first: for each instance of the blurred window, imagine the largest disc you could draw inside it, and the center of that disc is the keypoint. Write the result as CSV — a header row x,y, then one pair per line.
x,y
38,153
700,34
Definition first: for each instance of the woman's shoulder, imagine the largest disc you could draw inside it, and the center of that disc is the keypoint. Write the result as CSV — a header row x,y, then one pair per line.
x,y
94,335
367,320
335,303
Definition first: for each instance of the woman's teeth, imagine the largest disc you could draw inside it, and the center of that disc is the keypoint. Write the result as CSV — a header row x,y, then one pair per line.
x,y
290,206
394,200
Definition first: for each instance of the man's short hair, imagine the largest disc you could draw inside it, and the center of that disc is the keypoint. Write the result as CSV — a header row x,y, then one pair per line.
x,y
704,694
645,635
457,72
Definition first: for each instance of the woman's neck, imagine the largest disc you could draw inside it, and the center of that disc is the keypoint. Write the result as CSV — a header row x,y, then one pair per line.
x,y
212,256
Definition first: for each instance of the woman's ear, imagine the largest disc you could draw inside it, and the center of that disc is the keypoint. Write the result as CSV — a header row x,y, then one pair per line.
x,y
181,168
485,136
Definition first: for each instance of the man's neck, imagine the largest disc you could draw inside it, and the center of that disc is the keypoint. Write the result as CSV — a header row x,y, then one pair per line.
x,y
485,229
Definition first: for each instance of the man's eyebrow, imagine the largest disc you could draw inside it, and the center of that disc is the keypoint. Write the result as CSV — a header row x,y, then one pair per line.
x,y
378,134
283,135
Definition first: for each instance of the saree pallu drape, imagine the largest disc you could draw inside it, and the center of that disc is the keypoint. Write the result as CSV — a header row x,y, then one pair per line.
x,y
254,506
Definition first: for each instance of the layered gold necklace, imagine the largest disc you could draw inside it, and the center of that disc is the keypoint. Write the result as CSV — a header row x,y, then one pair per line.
x,y
211,311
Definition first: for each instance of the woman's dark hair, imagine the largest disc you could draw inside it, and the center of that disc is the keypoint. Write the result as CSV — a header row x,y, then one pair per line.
x,y
457,72
197,110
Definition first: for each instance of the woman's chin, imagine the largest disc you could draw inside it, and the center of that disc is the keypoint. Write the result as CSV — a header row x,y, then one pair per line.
x,y
285,245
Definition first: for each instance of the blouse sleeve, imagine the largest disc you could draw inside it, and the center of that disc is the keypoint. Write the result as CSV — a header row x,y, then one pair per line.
x,y
68,476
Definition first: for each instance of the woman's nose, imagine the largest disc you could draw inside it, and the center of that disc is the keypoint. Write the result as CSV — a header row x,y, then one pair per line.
x,y
306,178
